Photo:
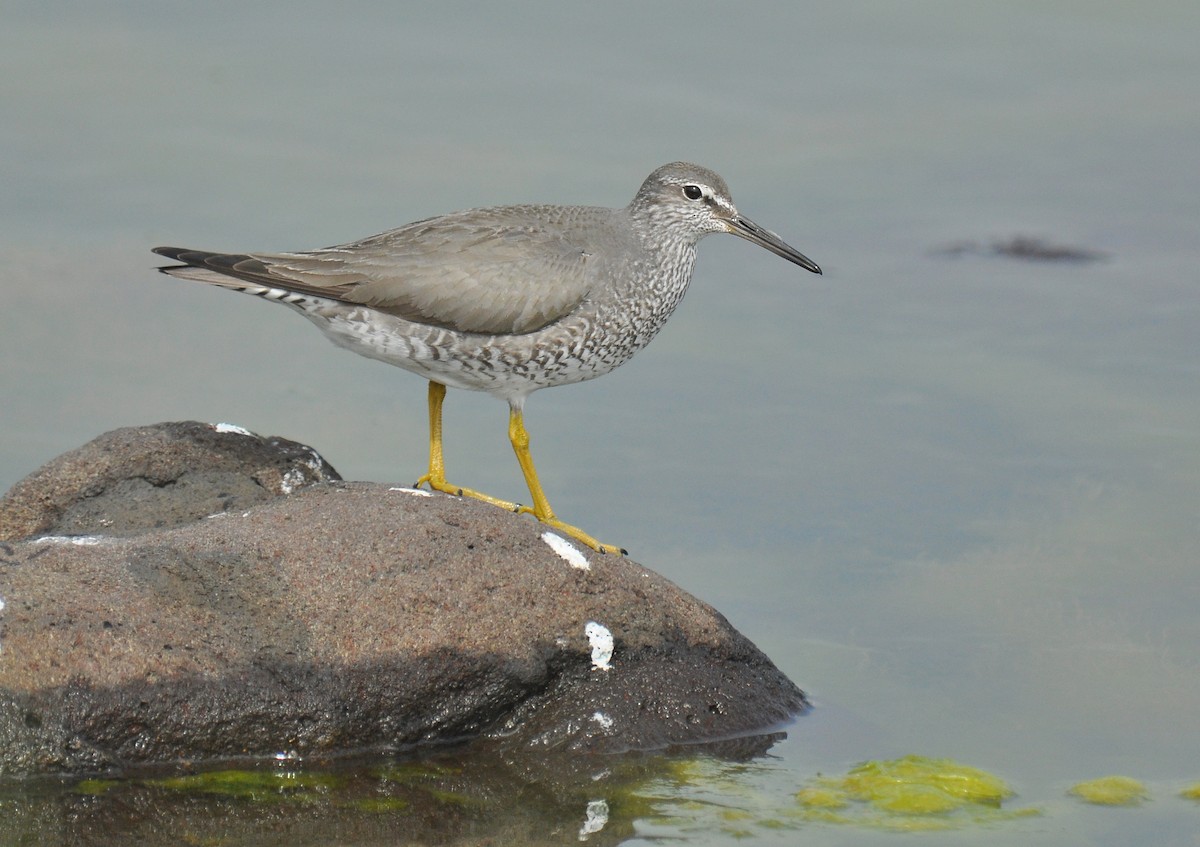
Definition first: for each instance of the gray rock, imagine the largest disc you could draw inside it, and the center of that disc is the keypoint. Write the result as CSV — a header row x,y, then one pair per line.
x,y
352,616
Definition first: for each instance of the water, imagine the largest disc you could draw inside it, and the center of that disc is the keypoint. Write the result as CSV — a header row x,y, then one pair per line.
x,y
953,497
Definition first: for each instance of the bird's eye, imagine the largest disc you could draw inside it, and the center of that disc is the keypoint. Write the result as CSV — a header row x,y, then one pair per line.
x,y
692,192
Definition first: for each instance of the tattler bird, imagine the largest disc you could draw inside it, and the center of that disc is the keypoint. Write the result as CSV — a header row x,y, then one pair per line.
x,y
505,300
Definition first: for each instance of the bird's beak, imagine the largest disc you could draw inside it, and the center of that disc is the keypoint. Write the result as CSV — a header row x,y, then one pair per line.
x,y
749,230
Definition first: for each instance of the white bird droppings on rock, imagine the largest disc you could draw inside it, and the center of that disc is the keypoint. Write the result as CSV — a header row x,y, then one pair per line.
x,y
602,645
420,492
605,721
78,540
566,550
291,480
233,428
316,462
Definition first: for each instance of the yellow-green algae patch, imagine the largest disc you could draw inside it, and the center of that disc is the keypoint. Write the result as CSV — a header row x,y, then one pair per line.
x,y
1111,791
95,786
439,782
818,797
741,800
250,784
1192,792
380,805
923,779
910,793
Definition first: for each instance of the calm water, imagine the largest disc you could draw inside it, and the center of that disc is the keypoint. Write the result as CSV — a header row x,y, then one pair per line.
x,y
954,497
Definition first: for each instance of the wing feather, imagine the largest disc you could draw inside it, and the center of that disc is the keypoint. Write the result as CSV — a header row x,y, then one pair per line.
x,y
503,270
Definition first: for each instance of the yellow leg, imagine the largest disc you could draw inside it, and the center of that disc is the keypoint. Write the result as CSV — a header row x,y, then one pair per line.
x,y
541,506
437,464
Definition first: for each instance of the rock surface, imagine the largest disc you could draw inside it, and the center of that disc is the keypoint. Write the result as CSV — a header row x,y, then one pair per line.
x,y
152,477
344,616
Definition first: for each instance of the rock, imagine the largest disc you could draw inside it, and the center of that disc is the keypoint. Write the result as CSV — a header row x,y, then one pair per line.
x,y
342,617
145,477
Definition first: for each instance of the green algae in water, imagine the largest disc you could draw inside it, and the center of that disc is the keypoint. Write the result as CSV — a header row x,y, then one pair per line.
x,y
818,797
255,785
932,785
913,793
454,798
96,786
1111,791
380,805
438,782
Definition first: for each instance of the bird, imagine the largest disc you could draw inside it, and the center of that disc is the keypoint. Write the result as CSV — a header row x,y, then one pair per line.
x,y
505,300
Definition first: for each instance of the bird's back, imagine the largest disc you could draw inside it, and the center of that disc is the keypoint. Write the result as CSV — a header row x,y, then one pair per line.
x,y
500,270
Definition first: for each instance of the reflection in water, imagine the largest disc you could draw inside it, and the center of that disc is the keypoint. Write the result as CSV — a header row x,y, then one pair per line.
x,y
486,792
483,793
597,818
466,795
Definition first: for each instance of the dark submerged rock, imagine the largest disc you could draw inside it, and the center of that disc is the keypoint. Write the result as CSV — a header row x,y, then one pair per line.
x,y
346,616
1024,247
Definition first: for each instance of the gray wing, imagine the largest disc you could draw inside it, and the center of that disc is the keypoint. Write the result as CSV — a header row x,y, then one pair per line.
x,y
502,270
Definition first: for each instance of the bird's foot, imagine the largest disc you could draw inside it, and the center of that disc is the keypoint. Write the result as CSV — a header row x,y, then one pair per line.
x,y
458,491
579,535
438,484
